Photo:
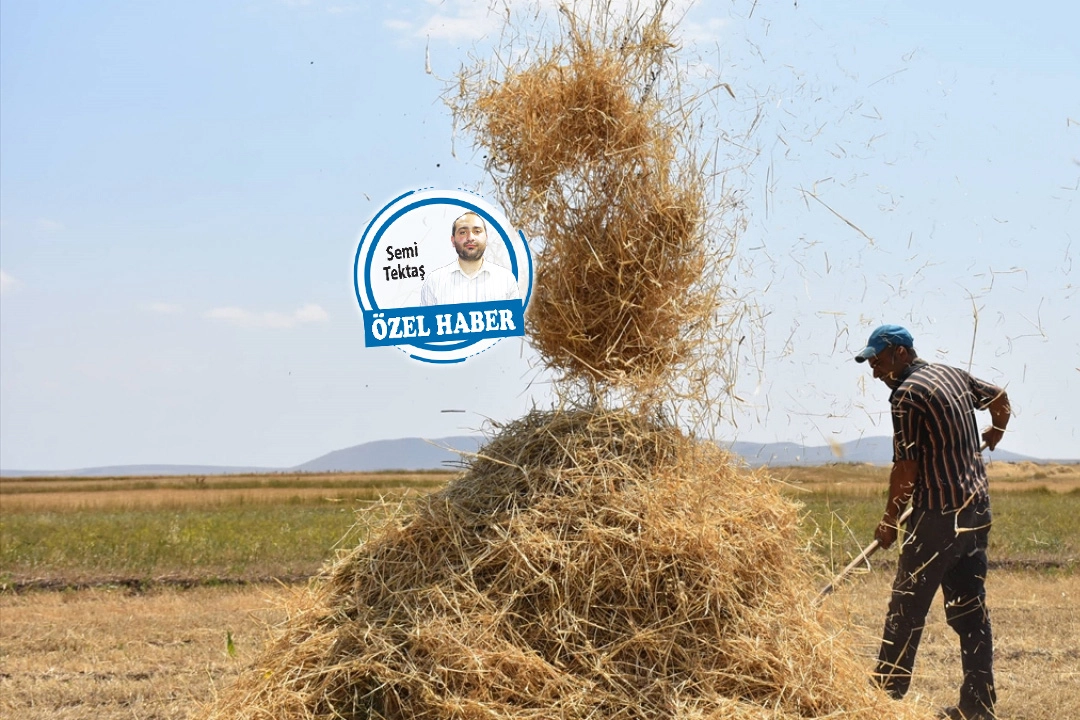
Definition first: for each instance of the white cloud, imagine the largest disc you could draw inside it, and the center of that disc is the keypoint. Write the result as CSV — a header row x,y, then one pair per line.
x,y
333,8
471,22
50,225
398,25
7,283
165,308
475,19
452,20
700,32
310,313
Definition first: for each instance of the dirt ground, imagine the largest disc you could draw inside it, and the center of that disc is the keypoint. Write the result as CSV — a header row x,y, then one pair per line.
x,y
1036,642
109,654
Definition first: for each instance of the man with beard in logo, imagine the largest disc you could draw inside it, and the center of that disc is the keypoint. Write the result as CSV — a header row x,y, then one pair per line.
x,y
471,278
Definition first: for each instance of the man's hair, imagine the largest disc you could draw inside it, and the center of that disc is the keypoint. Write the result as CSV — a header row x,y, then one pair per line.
x,y
453,228
910,351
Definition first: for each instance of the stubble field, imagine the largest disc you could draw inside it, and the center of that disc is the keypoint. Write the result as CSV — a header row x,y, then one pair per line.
x,y
136,598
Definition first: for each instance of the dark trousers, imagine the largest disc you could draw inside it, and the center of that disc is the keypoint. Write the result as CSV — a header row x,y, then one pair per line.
x,y
945,549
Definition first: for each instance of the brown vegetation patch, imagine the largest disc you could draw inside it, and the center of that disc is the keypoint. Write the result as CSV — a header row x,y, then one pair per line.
x,y
190,498
854,478
127,493
109,654
114,655
1036,656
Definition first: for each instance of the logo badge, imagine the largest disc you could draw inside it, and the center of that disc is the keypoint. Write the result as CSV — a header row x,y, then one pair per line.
x,y
442,275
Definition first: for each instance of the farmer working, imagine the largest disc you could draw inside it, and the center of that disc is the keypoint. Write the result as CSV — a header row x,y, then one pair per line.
x,y
470,278
937,465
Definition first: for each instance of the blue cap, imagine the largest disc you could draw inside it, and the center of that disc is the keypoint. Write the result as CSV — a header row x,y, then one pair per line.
x,y
882,338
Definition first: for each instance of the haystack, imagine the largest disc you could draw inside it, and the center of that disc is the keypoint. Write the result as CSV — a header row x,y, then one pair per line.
x,y
587,565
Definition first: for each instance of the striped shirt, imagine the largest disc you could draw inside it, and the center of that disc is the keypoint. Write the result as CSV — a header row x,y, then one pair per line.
x,y
449,285
933,414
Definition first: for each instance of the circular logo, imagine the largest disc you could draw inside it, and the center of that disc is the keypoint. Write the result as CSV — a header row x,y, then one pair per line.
x,y
442,275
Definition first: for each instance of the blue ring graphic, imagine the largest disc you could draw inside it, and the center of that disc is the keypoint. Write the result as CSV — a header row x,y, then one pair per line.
x,y
356,260
528,257
449,361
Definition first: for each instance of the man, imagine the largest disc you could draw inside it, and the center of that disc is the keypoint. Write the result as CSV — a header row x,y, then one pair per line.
x,y
937,465
471,278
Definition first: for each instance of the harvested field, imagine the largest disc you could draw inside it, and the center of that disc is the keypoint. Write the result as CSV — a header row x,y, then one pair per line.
x,y
114,655
1036,642
180,498
185,537
110,654
1004,477
63,493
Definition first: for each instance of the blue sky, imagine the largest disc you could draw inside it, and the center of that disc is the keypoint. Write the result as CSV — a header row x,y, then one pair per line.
x,y
182,187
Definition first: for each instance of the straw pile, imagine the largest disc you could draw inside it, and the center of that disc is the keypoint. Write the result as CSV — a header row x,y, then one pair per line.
x,y
589,143
588,565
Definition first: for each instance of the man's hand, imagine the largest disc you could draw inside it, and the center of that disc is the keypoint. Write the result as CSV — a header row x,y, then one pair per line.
x,y
886,532
992,436
1000,412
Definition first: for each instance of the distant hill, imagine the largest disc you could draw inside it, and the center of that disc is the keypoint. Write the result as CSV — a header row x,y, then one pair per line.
x,y
419,454
404,454
875,450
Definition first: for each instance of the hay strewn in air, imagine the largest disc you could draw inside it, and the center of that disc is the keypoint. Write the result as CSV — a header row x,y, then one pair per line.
x,y
588,565
591,149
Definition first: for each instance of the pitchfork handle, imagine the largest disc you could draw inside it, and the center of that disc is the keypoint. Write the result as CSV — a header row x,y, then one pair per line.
x,y
862,558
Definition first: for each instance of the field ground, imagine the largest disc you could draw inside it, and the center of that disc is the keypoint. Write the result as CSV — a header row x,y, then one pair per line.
x,y
121,637
106,654
865,478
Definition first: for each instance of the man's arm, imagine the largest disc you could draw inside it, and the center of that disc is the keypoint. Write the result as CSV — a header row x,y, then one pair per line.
x,y
1000,412
901,484
905,467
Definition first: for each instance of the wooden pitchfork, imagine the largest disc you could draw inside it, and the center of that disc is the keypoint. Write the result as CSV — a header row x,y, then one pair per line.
x,y
862,558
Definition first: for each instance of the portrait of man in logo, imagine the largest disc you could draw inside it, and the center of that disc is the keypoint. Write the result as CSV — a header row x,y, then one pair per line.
x,y
441,301
473,276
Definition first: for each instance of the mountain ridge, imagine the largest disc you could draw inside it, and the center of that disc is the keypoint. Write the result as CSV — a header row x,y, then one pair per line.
x,y
414,453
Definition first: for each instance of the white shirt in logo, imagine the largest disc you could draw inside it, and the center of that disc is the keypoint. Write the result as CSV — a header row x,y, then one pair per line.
x,y
449,285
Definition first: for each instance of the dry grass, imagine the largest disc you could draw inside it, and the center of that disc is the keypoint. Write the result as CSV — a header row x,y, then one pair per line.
x,y
587,565
1033,476
210,491
592,146
10,486
1036,642
856,478
178,498
108,655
